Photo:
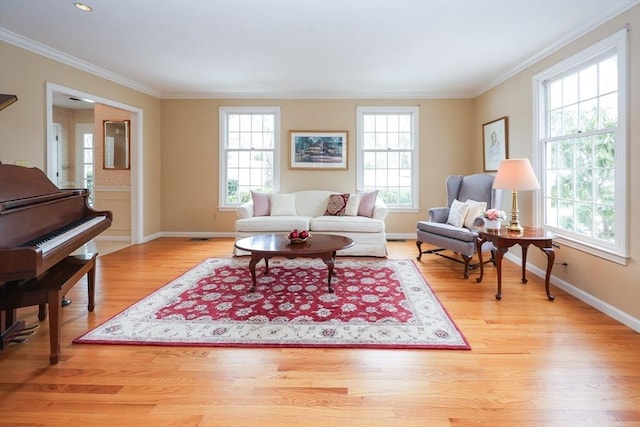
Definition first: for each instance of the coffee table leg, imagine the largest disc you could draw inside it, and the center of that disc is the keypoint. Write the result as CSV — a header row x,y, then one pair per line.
x,y
252,269
329,261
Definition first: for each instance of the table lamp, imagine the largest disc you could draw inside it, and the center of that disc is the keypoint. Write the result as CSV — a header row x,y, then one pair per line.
x,y
514,175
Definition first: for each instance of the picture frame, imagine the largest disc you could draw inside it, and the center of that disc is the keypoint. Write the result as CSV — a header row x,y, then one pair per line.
x,y
495,143
318,149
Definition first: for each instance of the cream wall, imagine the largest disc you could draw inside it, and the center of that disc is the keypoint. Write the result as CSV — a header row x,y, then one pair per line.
x,y
23,124
613,284
190,147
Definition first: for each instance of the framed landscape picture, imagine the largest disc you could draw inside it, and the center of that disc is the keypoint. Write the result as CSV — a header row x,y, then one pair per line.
x,y
318,149
495,143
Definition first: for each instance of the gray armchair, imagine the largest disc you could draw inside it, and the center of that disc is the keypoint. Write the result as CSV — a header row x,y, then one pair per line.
x,y
459,239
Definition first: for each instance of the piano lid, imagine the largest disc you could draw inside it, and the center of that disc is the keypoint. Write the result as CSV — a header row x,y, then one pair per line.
x,y
19,185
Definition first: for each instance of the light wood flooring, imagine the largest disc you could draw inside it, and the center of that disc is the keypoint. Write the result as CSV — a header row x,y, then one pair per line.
x,y
533,362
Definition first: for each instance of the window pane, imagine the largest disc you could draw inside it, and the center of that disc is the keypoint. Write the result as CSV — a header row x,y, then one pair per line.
x,y
256,122
570,119
381,141
604,223
570,89
604,154
555,94
584,219
369,123
588,82
608,111
588,119
392,123
604,186
369,140
245,122
233,121
233,140
584,153
608,78
555,123
584,186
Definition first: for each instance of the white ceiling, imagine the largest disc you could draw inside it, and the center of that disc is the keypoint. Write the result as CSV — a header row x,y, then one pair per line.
x,y
303,48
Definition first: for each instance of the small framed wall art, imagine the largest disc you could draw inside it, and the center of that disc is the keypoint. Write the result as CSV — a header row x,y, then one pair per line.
x,y
495,143
318,149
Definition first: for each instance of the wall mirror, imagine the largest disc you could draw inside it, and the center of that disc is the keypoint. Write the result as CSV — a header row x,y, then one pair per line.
x,y
116,144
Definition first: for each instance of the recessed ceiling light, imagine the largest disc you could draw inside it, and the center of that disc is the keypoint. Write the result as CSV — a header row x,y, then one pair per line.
x,y
83,7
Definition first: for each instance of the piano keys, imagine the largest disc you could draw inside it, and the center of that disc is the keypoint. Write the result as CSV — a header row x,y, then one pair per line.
x,y
40,226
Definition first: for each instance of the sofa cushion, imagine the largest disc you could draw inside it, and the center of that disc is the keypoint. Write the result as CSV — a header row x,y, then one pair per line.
x,y
446,230
272,224
474,211
283,204
367,203
261,203
337,205
457,212
353,204
356,224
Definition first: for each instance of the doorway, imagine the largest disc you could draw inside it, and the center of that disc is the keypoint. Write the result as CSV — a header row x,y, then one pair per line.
x,y
136,209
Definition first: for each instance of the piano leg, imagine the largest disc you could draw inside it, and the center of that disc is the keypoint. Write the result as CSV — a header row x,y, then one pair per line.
x,y
82,264
55,327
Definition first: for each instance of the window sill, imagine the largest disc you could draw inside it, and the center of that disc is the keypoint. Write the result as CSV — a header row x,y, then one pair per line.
x,y
592,250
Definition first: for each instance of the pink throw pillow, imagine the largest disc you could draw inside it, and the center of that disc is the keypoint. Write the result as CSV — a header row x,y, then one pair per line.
x,y
261,204
367,203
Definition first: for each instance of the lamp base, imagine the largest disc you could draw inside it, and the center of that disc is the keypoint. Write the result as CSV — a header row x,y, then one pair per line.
x,y
515,227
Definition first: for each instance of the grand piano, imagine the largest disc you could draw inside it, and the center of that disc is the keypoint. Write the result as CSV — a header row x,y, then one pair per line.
x,y
40,227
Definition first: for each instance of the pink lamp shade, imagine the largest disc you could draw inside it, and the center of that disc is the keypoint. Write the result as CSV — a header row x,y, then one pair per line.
x,y
516,174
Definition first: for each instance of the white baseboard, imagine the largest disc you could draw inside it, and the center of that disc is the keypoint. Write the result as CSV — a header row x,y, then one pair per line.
x,y
197,234
124,239
583,296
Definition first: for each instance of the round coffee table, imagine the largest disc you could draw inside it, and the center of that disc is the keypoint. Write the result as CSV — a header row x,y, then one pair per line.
x,y
266,246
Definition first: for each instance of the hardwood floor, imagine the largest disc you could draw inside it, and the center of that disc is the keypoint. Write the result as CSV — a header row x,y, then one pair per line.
x,y
533,362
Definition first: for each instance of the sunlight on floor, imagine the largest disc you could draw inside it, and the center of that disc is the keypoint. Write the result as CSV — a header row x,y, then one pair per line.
x,y
103,247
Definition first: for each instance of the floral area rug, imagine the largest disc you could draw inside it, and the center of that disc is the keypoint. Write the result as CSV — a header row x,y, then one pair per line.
x,y
376,304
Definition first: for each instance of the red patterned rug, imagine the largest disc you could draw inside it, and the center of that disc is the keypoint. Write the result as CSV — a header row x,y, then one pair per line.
x,y
376,304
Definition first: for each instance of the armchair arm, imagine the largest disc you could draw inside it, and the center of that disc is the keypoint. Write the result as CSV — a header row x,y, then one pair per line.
x,y
439,215
245,210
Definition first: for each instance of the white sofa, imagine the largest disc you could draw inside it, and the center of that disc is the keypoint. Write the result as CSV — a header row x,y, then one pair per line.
x,y
367,233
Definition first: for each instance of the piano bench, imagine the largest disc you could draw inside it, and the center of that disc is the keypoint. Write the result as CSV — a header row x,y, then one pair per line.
x,y
49,290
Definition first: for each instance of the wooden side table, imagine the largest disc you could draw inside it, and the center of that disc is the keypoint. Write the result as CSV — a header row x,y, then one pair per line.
x,y
503,239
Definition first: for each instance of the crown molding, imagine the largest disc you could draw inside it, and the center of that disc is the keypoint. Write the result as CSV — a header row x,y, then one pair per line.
x,y
56,55
614,10
314,95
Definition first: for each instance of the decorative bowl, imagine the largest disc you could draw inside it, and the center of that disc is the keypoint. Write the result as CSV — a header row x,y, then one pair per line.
x,y
298,240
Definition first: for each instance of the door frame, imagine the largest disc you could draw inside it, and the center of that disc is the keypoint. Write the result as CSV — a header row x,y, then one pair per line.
x,y
53,153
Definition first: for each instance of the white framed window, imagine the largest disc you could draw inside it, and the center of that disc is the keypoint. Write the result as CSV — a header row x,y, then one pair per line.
x,y
387,154
249,153
581,148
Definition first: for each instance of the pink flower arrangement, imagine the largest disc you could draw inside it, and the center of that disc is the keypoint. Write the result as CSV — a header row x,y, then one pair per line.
x,y
495,215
